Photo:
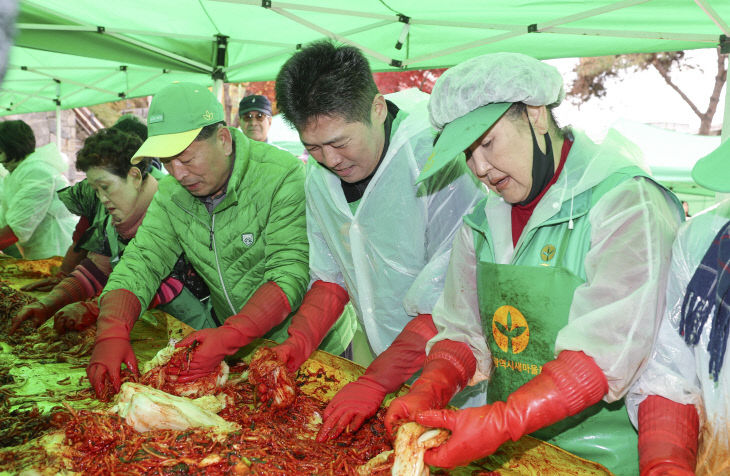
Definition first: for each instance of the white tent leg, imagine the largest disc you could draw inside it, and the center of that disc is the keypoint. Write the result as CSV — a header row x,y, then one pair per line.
x,y
725,134
218,90
58,127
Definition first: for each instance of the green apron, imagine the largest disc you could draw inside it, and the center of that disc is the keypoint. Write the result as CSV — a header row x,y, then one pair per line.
x,y
523,307
185,306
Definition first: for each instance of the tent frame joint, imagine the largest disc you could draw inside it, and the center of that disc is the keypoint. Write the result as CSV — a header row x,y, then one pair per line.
x,y
724,44
266,3
101,29
532,28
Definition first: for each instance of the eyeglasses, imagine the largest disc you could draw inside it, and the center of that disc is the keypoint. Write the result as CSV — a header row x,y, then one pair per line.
x,y
249,116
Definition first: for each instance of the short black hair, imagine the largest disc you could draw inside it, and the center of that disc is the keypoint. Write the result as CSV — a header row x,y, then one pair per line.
x,y
324,79
111,149
131,124
16,140
207,131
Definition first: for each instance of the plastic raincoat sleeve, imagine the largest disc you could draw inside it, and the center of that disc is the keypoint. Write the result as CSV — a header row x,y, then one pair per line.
x,y
142,269
287,247
322,264
451,194
615,314
674,367
456,313
29,204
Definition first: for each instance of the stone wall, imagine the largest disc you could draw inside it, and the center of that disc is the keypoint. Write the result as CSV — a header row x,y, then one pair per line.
x,y
44,128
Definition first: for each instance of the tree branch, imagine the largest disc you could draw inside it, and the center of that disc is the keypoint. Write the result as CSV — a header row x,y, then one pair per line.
x,y
667,78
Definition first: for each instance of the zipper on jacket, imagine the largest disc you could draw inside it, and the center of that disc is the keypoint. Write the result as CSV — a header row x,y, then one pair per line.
x,y
218,265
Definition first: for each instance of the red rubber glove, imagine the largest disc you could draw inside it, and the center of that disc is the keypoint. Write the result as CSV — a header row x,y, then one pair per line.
x,y
76,316
7,237
566,386
67,291
70,260
359,400
447,370
119,310
667,437
45,284
266,308
322,306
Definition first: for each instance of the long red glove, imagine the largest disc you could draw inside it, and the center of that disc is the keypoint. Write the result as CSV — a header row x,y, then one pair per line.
x,y
7,237
566,386
320,309
667,437
447,370
76,316
359,400
266,308
70,260
119,310
67,291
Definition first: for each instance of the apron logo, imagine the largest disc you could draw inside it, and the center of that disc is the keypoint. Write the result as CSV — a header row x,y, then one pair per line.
x,y
247,239
547,253
510,329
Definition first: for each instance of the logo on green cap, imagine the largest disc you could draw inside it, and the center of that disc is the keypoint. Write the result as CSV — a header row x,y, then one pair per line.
x,y
155,118
207,115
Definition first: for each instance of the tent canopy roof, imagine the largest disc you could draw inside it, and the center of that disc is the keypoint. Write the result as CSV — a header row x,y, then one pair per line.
x,y
134,48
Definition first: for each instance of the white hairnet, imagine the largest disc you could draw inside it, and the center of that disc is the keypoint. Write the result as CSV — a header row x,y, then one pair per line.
x,y
493,78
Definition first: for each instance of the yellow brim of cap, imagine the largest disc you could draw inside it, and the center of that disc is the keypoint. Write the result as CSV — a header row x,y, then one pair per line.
x,y
165,145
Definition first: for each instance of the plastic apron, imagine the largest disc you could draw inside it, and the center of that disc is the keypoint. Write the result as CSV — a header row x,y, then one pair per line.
x,y
185,306
522,309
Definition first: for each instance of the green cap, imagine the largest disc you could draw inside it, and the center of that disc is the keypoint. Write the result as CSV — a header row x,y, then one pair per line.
x,y
459,134
177,114
713,170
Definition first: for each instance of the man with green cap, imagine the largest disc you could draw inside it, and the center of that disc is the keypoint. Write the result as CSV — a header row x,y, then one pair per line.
x,y
556,280
686,380
235,207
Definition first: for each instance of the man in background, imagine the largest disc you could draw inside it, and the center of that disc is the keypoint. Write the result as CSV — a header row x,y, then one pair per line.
x,y
254,114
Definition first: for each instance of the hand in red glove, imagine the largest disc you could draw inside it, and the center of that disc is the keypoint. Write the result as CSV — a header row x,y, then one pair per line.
x,y
448,368
7,237
667,437
43,285
566,386
76,316
67,291
266,308
34,312
359,400
320,309
119,310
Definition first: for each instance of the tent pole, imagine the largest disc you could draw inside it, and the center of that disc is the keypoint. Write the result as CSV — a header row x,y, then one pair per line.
x,y
218,89
58,114
725,131
58,127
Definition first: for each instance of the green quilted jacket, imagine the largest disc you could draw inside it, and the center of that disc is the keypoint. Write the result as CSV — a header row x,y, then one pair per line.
x,y
256,234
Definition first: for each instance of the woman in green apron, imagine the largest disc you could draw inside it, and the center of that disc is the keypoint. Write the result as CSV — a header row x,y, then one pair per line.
x,y
555,284
125,192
